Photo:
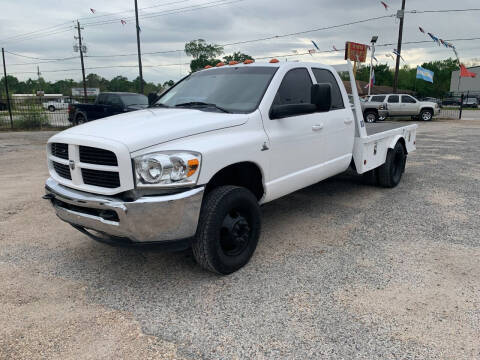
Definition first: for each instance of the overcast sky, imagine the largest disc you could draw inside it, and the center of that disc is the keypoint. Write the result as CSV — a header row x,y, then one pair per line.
x,y
47,32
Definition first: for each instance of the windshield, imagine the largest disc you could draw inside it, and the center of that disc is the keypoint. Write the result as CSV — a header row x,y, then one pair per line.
x,y
232,89
134,99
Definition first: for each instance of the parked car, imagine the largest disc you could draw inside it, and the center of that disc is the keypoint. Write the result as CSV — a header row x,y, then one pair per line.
x,y
402,105
57,104
3,106
452,101
193,169
471,102
106,104
374,108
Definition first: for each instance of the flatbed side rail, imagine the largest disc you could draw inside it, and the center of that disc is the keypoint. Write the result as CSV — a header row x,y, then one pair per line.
x,y
359,123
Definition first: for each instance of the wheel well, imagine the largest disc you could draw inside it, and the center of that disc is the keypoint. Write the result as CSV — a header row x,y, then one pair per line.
x,y
245,174
427,108
370,110
402,141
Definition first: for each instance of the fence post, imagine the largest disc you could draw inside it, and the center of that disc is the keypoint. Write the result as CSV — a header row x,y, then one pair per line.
x,y
461,108
6,88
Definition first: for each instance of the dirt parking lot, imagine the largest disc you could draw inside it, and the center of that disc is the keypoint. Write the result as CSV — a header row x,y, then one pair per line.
x,y
343,270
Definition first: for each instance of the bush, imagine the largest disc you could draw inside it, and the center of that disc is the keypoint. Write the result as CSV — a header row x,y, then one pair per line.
x,y
33,119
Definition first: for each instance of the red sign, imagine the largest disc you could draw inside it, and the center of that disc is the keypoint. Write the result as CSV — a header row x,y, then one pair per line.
x,y
355,52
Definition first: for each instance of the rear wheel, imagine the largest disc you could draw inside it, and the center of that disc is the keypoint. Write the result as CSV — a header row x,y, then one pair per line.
x,y
426,115
80,119
228,229
370,116
390,173
51,108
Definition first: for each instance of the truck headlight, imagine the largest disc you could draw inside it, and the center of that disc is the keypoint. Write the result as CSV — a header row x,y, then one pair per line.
x,y
167,169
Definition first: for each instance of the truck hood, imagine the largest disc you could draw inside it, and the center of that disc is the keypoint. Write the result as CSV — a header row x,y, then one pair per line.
x,y
145,128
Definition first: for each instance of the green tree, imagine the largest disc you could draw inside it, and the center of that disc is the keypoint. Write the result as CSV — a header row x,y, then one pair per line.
x,y
237,56
203,54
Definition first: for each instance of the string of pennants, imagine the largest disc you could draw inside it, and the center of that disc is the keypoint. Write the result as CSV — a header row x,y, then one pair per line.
x,y
123,22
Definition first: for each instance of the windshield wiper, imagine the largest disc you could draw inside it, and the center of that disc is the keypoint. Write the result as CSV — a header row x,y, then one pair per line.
x,y
203,104
159,105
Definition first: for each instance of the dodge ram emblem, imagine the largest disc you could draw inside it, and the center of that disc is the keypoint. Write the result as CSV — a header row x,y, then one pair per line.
x,y
71,163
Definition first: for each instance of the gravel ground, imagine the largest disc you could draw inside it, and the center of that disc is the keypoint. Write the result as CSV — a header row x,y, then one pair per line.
x,y
343,270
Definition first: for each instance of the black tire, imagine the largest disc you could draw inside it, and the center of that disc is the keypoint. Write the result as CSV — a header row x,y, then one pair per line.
x,y
80,119
390,173
51,108
370,116
426,115
228,229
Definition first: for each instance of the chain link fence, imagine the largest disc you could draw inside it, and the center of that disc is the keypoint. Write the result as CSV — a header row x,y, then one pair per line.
x,y
36,112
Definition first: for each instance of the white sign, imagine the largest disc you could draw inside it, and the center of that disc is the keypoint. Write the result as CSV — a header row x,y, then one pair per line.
x,y
90,91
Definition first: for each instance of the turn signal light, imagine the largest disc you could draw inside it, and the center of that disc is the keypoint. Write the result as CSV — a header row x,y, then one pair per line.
x,y
273,61
220,64
192,167
232,62
248,61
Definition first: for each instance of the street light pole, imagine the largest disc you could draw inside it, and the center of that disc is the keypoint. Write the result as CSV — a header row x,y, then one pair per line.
x,y
401,15
138,48
372,54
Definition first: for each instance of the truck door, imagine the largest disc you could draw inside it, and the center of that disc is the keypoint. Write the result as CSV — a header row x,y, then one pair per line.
x,y
114,106
339,126
394,106
409,106
298,146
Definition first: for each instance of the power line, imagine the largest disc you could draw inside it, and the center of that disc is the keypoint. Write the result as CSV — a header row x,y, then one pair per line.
x,y
50,28
36,58
129,11
168,12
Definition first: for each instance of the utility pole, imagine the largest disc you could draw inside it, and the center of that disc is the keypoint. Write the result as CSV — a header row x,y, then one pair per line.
x,y
138,48
80,48
401,16
6,88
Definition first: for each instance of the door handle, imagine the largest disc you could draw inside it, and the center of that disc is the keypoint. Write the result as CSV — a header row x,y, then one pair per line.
x,y
347,121
317,127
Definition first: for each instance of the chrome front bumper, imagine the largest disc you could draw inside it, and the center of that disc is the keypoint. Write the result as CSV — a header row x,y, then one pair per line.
x,y
148,219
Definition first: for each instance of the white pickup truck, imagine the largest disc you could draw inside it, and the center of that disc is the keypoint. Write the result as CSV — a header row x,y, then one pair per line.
x,y
193,169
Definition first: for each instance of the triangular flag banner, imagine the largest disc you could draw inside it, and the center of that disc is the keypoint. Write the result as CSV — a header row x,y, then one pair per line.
x,y
314,44
123,22
334,48
434,38
465,73
385,5
421,29
93,10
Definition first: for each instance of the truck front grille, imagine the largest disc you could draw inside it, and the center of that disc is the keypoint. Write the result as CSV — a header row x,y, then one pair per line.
x,y
60,150
97,156
62,170
107,179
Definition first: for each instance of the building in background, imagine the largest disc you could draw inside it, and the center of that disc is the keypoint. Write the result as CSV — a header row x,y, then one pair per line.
x,y
466,84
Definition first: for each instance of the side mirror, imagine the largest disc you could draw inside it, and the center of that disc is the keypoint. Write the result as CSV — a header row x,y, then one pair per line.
x,y
322,96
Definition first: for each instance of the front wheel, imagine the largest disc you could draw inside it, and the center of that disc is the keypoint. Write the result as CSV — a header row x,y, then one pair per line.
x,y
426,115
228,229
371,116
390,173
51,108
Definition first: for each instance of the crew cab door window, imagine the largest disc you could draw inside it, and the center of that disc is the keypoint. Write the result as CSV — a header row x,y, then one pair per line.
x,y
378,98
393,99
102,99
408,99
324,76
295,88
